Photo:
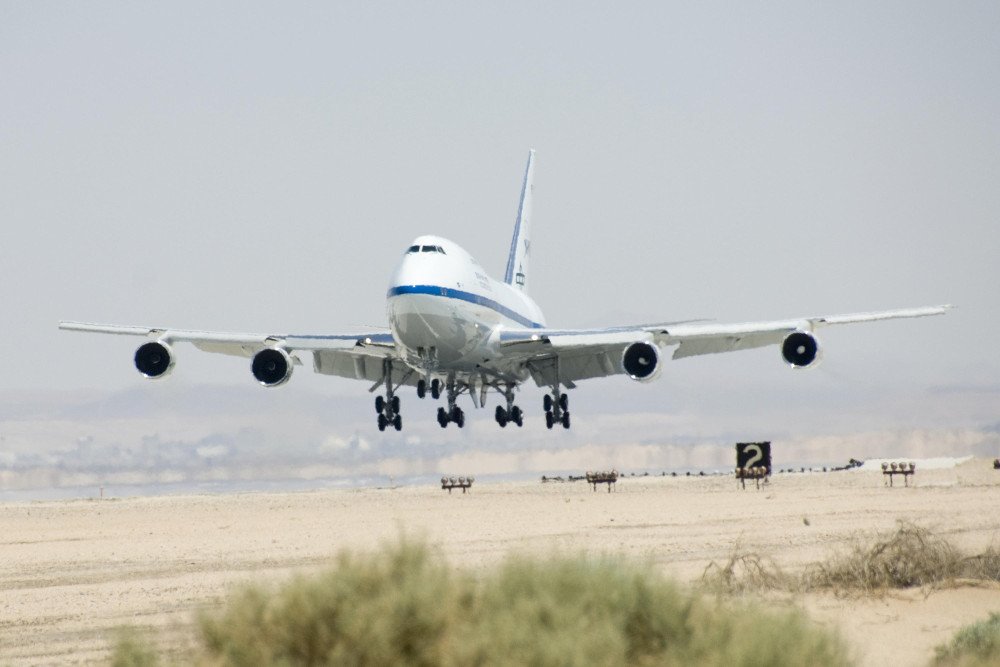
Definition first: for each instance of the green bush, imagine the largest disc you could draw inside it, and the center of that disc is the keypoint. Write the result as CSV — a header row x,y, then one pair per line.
x,y
406,607
133,649
974,645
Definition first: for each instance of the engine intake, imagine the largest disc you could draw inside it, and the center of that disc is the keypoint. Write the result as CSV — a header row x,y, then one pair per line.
x,y
642,362
801,349
272,366
154,359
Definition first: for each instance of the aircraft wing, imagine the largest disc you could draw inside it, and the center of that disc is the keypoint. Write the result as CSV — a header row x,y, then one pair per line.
x,y
352,355
588,353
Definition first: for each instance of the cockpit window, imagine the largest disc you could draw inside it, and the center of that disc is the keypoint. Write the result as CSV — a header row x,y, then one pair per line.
x,y
429,248
413,248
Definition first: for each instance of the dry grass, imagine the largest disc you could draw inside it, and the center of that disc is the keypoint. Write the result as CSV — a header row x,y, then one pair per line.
x,y
745,572
908,557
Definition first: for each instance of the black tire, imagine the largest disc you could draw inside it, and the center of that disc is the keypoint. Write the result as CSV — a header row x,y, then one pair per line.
x,y
421,388
395,405
442,417
459,417
547,403
515,415
564,402
565,420
435,389
382,422
500,413
397,423
549,420
379,404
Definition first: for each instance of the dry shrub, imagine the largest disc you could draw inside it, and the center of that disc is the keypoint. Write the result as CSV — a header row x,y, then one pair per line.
x,y
744,572
907,558
404,606
984,566
972,646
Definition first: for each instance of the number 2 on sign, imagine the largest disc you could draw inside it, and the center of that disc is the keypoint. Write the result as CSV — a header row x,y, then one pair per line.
x,y
756,458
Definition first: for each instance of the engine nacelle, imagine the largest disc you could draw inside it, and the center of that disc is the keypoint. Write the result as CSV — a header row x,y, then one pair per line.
x,y
272,366
642,362
154,359
801,349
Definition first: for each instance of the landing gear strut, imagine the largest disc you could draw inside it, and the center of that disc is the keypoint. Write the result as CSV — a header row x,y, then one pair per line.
x,y
387,406
512,413
453,413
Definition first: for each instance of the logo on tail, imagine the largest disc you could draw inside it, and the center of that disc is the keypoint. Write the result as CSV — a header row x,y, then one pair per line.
x,y
520,245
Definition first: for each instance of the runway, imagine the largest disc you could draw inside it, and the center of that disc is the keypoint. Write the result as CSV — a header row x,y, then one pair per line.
x,y
72,571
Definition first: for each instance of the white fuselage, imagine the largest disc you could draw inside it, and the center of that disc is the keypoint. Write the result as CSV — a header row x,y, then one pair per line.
x,y
446,313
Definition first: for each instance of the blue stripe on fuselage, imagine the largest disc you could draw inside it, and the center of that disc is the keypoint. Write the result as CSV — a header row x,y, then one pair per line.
x,y
447,292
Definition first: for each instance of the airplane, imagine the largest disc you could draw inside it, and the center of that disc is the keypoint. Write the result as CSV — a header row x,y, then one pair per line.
x,y
455,330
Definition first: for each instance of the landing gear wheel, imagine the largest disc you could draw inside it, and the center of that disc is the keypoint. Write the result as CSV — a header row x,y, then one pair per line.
x,y
547,403
564,402
565,418
395,404
516,416
379,404
501,416
443,417
458,417
549,420
382,422
397,423
421,388
435,389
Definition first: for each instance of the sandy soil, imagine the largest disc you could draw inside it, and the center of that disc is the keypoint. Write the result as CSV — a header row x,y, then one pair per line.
x,y
72,571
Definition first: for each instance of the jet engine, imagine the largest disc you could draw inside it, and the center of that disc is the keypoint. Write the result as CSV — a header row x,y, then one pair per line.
x,y
642,362
154,359
272,366
801,349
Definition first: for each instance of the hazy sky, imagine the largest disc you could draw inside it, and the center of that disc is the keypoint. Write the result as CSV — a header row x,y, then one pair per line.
x,y
261,167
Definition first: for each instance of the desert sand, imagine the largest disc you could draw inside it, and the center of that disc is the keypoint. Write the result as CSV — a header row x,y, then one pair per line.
x,y
73,571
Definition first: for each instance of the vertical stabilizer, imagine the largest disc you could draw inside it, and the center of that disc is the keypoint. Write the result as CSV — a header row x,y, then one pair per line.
x,y
520,245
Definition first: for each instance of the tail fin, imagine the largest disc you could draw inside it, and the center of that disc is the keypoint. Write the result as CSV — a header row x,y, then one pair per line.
x,y
520,245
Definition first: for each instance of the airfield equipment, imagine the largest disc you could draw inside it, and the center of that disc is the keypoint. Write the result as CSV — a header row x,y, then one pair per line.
x,y
890,470
457,483
609,478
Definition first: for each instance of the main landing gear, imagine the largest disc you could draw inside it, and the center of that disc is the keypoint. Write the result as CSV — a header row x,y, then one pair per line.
x,y
453,413
556,408
512,413
387,406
